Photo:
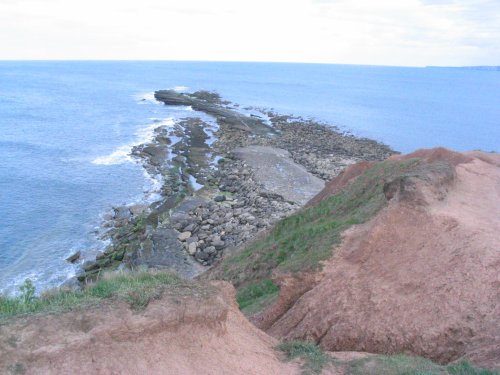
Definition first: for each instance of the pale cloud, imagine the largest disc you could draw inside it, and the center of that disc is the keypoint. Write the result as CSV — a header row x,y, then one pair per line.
x,y
390,32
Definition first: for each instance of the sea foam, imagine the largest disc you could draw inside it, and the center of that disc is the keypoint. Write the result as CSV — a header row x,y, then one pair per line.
x,y
123,153
180,88
146,98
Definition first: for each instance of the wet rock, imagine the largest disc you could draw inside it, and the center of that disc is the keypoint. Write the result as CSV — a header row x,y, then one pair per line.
x,y
90,265
138,209
107,216
101,255
122,213
73,258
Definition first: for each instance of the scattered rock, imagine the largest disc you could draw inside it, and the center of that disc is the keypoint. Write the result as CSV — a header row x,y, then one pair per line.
x,y
192,248
184,236
89,265
73,258
219,244
149,235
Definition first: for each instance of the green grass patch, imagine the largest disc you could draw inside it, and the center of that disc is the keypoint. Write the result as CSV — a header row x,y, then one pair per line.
x,y
138,288
466,368
252,296
315,360
394,365
313,357
407,365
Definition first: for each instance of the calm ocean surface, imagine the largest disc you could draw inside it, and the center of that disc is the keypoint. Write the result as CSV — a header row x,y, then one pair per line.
x,y
66,129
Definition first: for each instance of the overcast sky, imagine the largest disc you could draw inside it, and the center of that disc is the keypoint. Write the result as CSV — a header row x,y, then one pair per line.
x,y
385,32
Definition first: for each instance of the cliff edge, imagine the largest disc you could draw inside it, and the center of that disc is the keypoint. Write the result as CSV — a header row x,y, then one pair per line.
x,y
421,277
185,331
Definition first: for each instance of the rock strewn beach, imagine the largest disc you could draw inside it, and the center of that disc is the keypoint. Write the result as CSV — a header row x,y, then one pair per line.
x,y
226,177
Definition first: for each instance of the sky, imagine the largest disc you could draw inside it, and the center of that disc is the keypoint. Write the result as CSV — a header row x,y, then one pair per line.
x,y
375,32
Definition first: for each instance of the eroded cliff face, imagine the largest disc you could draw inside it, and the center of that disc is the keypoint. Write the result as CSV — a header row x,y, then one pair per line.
x,y
177,334
421,277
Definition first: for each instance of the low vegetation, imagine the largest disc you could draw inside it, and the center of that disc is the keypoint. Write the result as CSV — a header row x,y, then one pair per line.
x,y
138,288
407,365
314,360
313,357
251,297
300,242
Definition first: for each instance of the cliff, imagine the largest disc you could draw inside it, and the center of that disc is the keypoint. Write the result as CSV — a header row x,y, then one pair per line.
x,y
392,257
189,329
414,269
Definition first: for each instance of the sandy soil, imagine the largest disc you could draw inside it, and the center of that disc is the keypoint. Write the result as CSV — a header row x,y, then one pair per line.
x,y
174,335
421,277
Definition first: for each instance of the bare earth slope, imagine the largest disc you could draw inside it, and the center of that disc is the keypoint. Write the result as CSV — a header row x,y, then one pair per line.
x,y
174,335
422,276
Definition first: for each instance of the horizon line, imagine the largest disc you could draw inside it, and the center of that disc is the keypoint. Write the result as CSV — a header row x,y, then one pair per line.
x,y
220,61
249,62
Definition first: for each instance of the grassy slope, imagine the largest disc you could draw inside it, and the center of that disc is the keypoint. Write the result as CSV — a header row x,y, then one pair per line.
x,y
300,242
137,288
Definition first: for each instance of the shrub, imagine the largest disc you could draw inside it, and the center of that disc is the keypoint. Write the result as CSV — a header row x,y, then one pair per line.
x,y
27,291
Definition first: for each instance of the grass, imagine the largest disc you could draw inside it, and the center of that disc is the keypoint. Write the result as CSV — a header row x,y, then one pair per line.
x,y
17,368
314,358
394,365
138,288
302,241
407,365
251,297
465,368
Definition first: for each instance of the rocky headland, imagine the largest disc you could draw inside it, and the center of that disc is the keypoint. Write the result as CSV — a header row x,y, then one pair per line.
x,y
399,256
227,174
390,261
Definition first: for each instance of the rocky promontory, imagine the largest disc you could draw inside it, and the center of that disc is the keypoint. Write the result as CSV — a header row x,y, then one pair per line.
x,y
227,174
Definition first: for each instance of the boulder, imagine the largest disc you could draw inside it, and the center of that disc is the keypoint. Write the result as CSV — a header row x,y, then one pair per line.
x,y
90,265
192,248
73,258
219,244
184,236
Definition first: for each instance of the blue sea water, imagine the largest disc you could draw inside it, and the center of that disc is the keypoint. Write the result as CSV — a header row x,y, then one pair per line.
x,y
66,129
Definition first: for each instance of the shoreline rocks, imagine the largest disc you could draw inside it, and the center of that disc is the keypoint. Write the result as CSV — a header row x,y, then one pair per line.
x,y
223,183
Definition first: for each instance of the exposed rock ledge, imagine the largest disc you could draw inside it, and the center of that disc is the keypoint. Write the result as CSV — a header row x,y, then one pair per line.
x,y
227,176
278,174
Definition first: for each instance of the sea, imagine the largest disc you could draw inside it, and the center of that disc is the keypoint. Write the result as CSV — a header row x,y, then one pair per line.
x,y
66,130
